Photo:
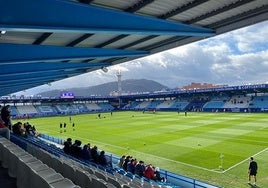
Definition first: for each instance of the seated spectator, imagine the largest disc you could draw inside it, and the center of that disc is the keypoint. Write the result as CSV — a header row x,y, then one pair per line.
x,y
4,130
140,168
127,159
121,161
131,166
30,130
158,176
102,159
149,172
18,129
86,155
94,154
67,146
76,149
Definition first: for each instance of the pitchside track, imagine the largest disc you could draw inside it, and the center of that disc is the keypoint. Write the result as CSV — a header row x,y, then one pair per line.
x,y
213,147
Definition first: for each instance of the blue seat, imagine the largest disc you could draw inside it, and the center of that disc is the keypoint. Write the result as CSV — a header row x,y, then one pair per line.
x,y
130,175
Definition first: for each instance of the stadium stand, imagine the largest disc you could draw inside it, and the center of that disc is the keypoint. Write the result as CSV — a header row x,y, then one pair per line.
x,y
213,105
48,149
46,110
132,105
14,111
143,105
93,107
55,157
179,105
237,101
28,170
82,108
106,106
153,104
260,102
166,104
195,105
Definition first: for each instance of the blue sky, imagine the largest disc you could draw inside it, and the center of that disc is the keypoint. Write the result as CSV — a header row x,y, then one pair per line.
x,y
235,58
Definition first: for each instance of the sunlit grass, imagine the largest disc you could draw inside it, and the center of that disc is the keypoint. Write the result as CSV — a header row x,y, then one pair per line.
x,y
190,145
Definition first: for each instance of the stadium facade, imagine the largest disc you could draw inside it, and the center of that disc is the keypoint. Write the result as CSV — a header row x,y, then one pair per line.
x,y
245,98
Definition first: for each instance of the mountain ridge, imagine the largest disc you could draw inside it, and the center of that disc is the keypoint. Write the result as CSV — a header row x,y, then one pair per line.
x,y
128,86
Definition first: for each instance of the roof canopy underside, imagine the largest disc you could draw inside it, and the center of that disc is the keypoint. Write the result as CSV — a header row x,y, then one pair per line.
x,y
50,40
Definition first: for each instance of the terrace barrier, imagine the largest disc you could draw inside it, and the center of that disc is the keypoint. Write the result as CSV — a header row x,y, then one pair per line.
x,y
172,178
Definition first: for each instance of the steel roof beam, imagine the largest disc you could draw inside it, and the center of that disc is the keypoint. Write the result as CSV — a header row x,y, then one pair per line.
x,y
76,17
80,39
138,5
21,75
42,38
12,89
85,1
181,9
131,9
30,80
251,14
218,11
26,53
47,66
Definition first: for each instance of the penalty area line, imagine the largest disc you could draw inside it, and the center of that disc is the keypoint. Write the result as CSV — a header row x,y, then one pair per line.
x,y
244,160
162,158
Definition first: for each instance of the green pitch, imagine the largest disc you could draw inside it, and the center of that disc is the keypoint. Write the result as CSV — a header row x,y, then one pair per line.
x,y
213,147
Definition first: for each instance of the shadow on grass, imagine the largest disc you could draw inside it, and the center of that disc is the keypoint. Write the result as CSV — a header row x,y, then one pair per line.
x,y
252,185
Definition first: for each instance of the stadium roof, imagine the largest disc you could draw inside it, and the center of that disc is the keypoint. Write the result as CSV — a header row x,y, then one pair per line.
x,y
43,41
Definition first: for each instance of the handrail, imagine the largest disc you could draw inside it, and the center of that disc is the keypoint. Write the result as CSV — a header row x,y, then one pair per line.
x,y
172,178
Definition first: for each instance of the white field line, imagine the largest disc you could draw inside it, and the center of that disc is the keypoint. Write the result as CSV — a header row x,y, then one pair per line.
x,y
170,160
244,160
165,159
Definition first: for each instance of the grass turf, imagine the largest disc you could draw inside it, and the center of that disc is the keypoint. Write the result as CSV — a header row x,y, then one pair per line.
x,y
190,146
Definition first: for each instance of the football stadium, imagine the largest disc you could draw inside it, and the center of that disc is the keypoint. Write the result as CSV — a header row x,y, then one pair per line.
x,y
175,138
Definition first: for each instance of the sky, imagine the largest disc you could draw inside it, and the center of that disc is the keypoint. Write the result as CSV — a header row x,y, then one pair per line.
x,y
235,58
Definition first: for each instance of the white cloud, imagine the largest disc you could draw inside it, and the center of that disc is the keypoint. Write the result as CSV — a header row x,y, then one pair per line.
x,y
233,58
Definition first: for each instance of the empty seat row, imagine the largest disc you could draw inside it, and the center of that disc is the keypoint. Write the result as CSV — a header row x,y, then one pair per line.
x,y
29,171
83,175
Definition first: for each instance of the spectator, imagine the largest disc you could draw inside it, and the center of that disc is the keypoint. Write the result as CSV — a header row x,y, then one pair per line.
x,y
4,131
140,168
76,149
158,176
5,116
86,155
30,130
121,161
67,146
94,154
149,172
127,159
102,159
131,166
18,129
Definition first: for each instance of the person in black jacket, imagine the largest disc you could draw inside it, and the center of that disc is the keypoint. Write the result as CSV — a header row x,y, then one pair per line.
x,y
94,154
102,159
67,146
140,168
252,170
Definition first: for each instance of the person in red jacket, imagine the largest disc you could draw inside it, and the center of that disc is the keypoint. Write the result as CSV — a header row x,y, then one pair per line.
x,y
4,130
149,172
